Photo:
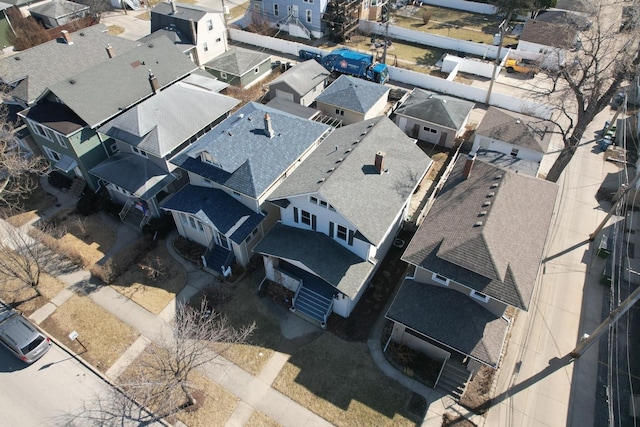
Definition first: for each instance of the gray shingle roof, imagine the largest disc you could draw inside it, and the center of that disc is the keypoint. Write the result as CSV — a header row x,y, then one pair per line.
x,y
497,252
58,8
353,94
178,38
53,61
249,161
293,108
548,34
303,77
162,122
507,161
102,92
185,11
237,61
369,200
134,173
211,205
439,109
326,258
450,318
517,129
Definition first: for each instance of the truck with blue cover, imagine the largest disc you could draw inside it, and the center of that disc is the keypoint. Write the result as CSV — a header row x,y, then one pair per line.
x,y
347,61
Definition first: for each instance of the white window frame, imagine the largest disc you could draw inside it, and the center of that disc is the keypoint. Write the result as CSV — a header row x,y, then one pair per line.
x,y
210,24
440,279
306,217
341,229
39,129
52,154
207,182
114,148
479,296
313,200
205,47
515,151
139,152
339,112
256,7
309,16
61,139
308,1
256,70
223,75
276,11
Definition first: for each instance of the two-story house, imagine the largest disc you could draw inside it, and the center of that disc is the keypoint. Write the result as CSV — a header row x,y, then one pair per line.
x,y
301,18
138,175
232,170
341,210
65,119
477,252
200,32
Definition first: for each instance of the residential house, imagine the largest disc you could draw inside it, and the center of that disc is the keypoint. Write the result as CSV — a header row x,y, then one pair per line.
x,y
505,134
340,212
138,174
352,100
232,170
58,12
5,26
548,41
293,108
300,84
240,67
434,118
66,117
30,72
477,252
300,18
198,31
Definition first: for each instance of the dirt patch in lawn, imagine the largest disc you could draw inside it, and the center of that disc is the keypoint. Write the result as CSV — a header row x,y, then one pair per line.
x,y
339,381
153,281
24,298
105,336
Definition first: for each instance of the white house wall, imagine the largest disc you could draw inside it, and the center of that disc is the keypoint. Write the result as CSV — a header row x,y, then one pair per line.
x,y
505,148
348,117
191,233
215,39
407,124
308,98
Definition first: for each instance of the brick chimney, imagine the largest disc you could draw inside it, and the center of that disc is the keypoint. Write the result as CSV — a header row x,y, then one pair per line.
x,y
174,9
194,32
468,165
67,37
268,129
379,161
110,51
153,81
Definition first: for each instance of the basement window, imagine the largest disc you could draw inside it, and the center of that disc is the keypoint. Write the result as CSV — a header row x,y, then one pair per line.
x,y
440,279
515,152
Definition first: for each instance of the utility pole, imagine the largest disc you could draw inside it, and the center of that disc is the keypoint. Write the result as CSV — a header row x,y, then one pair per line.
x,y
624,189
503,28
386,35
611,318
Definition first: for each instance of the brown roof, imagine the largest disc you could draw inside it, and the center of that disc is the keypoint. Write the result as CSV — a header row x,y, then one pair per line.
x,y
517,129
549,34
487,232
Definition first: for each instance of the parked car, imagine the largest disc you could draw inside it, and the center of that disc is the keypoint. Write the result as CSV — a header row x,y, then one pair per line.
x,y
21,337
515,66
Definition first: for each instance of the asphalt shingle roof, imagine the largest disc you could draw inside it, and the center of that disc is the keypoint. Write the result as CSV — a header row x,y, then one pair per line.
x,y
134,173
303,77
353,94
211,205
517,129
548,34
58,8
162,122
434,108
185,11
102,92
341,170
248,160
326,258
451,318
55,116
487,232
237,61
48,63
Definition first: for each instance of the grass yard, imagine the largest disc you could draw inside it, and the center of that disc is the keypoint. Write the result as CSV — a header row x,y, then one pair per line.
x,y
216,407
154,281
33,206
242,306
339,381
258,419
410,56
15,292
115,30
88,236
105,336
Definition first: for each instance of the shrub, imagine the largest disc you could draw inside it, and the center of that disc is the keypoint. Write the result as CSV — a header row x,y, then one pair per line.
x,y
88,204
163,225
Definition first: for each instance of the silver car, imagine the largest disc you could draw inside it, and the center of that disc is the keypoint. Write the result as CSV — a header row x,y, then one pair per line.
x,y
21,337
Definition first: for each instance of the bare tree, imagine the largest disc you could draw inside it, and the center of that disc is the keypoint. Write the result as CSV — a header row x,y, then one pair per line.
x,y
602,59
18,169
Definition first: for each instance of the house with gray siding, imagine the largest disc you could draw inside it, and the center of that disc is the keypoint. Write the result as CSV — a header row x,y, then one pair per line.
x,y
352,100
301,18
232,171
301,84
240,67
340,211
477,253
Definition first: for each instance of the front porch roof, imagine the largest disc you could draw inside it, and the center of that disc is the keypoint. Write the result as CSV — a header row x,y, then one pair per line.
x,y
319,253
230,217
451,318
134,173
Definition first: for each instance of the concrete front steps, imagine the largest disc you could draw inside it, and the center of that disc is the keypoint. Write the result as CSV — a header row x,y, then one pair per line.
x,y
312,306
454,378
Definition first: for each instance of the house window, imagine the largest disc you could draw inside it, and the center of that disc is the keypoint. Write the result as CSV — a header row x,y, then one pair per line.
x,y
139,152
219,39
205,47
515,152
276,12
53,155
61,139
210,25
114,148
192,222
331,208
183,219
256,70
323,204
313,200
308,1
479,296
223,75
308,16
440,279
200,227
427,129
251,235
305,217
342,232
39,130
339,112
256,7
121,190
208,182
237,195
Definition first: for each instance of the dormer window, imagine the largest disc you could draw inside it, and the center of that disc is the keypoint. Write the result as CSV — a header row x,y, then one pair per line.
x,y
207,158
